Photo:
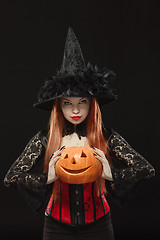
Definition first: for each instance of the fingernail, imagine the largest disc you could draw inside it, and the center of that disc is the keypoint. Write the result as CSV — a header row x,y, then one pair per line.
x,y
95,154
93,147
61,148
51,155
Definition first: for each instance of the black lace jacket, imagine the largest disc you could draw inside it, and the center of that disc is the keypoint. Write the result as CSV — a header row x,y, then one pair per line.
x,y
129,170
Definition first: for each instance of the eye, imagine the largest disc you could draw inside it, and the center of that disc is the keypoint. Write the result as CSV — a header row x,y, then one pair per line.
x,y
67,103
66,156
83,101
83,154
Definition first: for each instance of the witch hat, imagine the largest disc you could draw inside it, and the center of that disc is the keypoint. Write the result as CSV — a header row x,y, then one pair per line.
x,y
75,79
73,60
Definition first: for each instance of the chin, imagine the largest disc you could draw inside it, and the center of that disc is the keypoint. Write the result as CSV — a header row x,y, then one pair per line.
x,y
77,122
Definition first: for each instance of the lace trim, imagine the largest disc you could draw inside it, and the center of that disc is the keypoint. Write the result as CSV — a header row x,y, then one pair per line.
x,y
25,162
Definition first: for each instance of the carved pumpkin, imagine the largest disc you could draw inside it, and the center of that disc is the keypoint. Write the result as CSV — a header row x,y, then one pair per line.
x,y
78,165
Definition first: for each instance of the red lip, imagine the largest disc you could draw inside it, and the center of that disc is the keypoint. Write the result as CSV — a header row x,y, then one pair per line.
x,y
76,118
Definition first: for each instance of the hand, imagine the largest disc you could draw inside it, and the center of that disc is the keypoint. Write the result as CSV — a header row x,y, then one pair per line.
x,y
51,170
106,172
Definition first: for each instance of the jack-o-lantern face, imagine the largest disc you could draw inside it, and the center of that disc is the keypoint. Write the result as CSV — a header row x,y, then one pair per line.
x,y
78,165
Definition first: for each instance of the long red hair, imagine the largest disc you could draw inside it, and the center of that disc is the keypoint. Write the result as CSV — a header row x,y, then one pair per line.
x,y
94,134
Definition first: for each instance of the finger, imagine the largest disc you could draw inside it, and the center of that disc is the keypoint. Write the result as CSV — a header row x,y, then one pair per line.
x,y
98,151
103,160
51,156
54,155
98,157
54,160
57,152
62,148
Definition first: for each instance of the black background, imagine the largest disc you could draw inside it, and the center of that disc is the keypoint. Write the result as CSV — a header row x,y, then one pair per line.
x,y
123,35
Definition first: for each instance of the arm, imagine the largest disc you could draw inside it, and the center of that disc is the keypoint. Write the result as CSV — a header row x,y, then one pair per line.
x,y
129,169
27,175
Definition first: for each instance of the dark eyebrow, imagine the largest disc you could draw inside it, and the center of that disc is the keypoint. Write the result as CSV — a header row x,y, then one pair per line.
x,y
70,101
66,99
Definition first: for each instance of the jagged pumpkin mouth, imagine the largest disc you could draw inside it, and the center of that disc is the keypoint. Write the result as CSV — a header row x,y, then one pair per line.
x,y
75,171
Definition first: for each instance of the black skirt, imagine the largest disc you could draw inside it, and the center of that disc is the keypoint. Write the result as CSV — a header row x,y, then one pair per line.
x,y
102,229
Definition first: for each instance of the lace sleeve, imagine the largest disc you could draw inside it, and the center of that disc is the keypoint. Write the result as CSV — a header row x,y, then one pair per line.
x,y
27,175
129,170
18,173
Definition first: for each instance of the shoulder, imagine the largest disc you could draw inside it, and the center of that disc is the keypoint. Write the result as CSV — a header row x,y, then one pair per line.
x,y
118,145
110,134
34,150
38,141
113,137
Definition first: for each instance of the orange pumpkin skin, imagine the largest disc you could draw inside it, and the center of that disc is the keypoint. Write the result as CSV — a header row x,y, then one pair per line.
x,y
78,165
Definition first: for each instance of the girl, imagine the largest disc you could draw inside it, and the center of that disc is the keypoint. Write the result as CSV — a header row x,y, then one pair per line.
x,y
73,96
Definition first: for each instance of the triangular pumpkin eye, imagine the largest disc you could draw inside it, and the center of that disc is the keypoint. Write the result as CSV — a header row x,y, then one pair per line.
x,y
66,156
83,154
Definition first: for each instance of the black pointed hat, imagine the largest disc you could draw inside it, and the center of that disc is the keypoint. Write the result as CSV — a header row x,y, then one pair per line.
x,y
73,60
75,79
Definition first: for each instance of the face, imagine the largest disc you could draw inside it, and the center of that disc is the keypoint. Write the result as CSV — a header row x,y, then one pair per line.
x,y
75,109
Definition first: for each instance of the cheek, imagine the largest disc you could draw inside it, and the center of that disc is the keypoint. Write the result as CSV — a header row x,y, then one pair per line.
x,y
85,110
65,109
65,112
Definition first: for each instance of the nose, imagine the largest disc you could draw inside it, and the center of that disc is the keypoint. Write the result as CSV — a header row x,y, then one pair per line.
x,y
73,161
75,110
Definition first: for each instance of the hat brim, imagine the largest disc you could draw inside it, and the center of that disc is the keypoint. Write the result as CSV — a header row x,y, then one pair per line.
x,y
48,104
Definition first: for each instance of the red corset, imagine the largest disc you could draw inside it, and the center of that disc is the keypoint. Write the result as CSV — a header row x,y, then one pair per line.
x,y
78,204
